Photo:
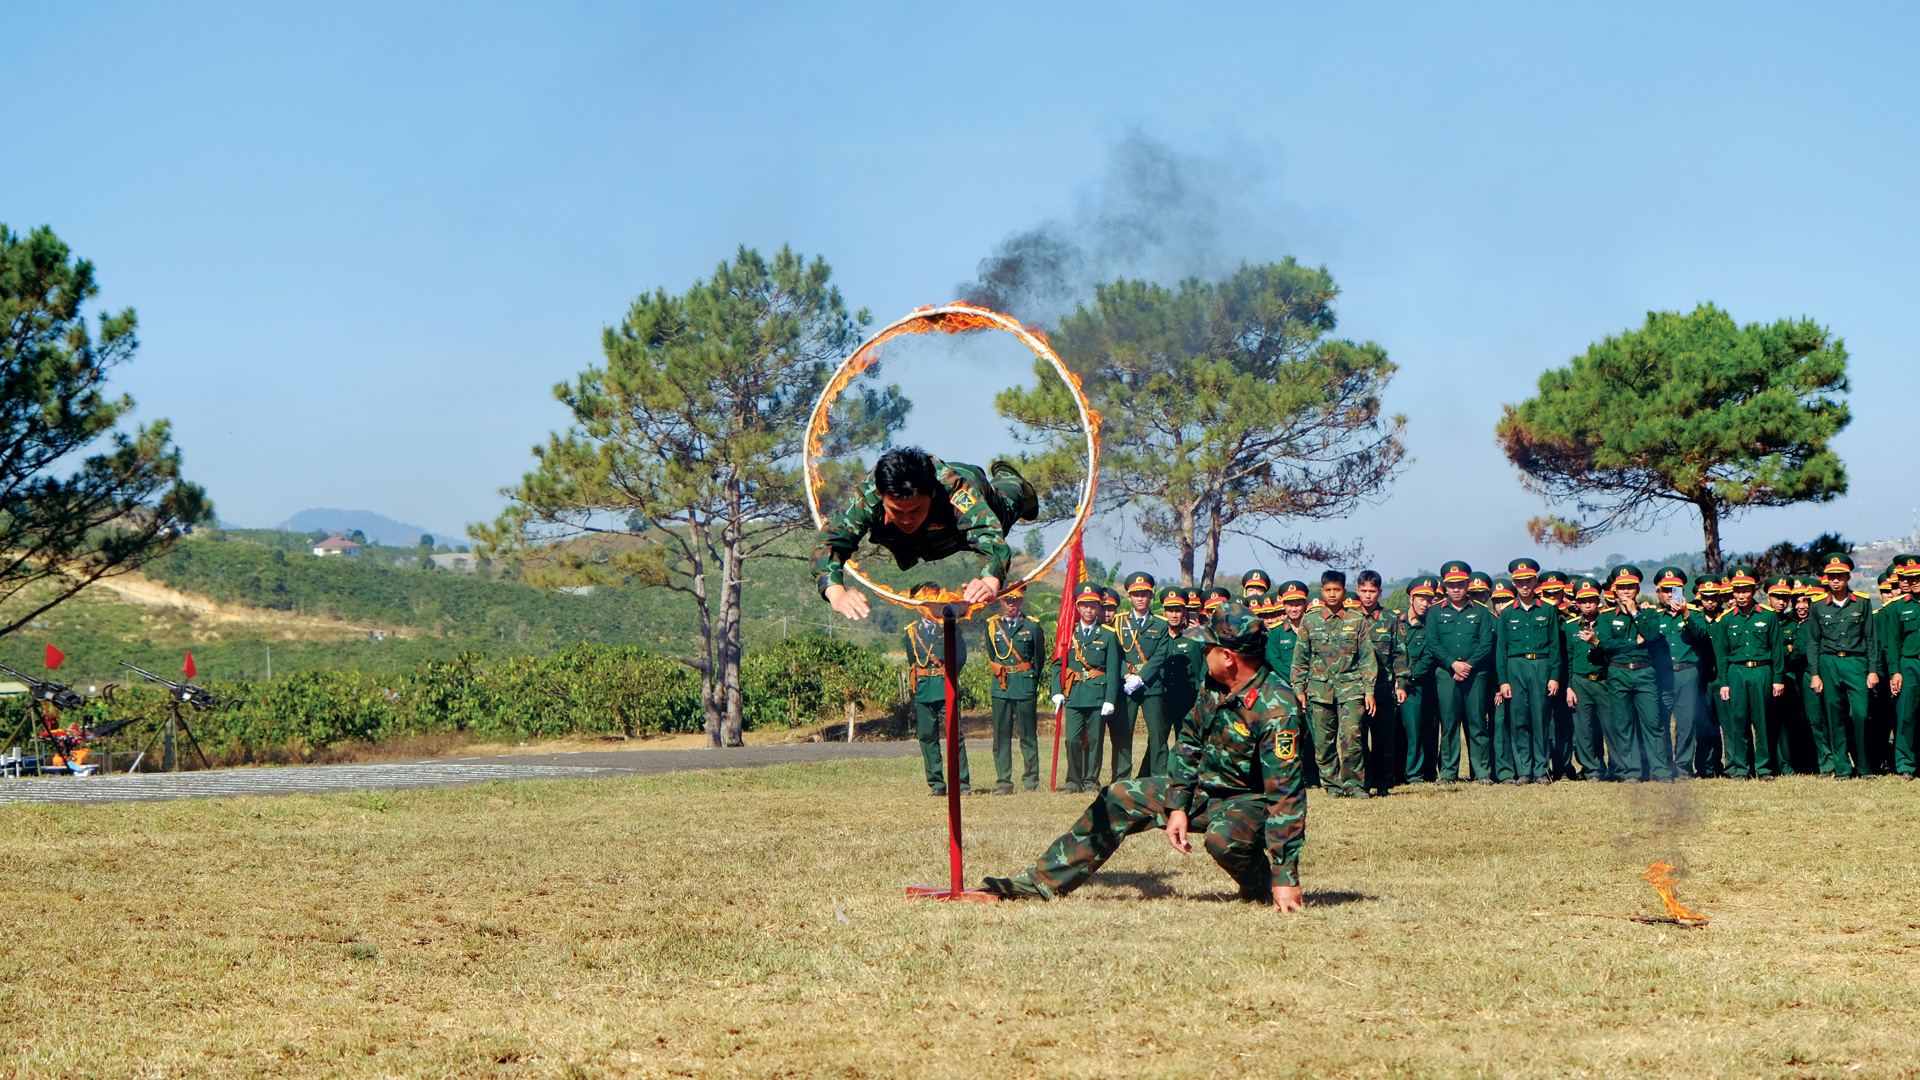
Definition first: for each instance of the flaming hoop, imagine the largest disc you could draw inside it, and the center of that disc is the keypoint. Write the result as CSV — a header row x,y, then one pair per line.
x,y
949,319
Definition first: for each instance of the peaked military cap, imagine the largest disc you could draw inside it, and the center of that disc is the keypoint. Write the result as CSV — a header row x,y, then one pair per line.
x,y
1625,573
1194,597
1109,595
1233,626
1503,589
1523,568
1140,581
1455,572
1255,581
1553,581
1587,589
1781,586
1741,577
1837,563
1088,591
1173,599
1669,577
1421,586
1215,597
1907,565
1293,590
1711,586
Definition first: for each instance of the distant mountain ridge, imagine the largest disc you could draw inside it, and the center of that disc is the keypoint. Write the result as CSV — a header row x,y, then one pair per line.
x,y
379,528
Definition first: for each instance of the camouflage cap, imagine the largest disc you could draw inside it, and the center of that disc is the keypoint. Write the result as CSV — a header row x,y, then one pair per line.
x,y
1255,581
1234,627
1523,568
1140,581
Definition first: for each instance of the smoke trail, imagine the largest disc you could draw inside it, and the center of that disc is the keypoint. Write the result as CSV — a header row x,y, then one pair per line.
x,y
1154,212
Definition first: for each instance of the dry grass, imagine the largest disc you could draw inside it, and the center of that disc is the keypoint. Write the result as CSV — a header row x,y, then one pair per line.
x,y
752,924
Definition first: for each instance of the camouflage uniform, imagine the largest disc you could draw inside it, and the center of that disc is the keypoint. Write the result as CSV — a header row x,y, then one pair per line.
x,y
1334,670
974,515
1236,774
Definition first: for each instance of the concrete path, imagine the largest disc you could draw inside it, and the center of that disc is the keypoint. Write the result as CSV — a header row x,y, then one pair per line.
x,y
435,772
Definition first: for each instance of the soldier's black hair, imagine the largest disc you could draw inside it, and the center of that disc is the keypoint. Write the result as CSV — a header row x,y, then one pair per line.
x,y
1368,577
905,471
1334,577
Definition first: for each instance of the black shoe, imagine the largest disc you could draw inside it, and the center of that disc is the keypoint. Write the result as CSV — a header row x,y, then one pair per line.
x,y
1484,780
938,793
1002,888
1028,507
1631,780
1524,780
1003,789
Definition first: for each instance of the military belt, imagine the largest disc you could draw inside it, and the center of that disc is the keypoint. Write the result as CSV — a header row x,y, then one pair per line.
x,y
1631,665
1684,667
1594,678
1528,656
937,670
1839,652
1752,663
1001,671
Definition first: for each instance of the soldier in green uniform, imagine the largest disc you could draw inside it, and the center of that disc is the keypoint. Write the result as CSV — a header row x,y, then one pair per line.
x,y
1480,589
1880,707
1552,590
1460,642
1414,688
1793,740
1087,684
1284,631
1016,655
1182,671
1527,658
1145,641
1214,598
1388,633
1236,776
1709,751
1110,607
1751,644
1841,636
921,508
1333,673
1901,650
925,644
1685,631
1588,695
1255,583
1633,645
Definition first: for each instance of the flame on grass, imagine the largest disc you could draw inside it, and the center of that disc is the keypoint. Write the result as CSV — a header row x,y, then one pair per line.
x,y
956,318
1660,876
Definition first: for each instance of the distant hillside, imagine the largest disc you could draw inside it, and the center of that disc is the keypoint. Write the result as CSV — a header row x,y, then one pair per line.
x,y
379,528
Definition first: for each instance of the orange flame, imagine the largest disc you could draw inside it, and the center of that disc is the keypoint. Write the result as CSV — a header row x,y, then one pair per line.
x,y
1660,876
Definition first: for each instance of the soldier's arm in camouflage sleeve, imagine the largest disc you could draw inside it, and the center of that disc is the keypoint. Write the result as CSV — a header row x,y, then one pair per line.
x,y
1402,656
842,536
1286,831
982,530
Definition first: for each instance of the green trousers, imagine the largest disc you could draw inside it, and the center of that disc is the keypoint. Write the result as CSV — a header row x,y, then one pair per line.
x,y
1749,742
1119,728
1080,742
1234,832
1644,729
1156,758
1683,703
1338,744
1843,690
1529,715
1417,735
1465,709
1013,716
1796,732
1382,731
1906,717
1592,726
930,725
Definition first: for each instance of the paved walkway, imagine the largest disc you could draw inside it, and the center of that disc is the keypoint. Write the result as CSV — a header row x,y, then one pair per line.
x,y
434,772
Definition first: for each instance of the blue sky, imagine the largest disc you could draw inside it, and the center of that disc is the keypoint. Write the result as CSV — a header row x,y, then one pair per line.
x,y
365,240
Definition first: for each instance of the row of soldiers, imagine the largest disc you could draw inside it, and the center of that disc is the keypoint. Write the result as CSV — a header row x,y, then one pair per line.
x,y
1531,678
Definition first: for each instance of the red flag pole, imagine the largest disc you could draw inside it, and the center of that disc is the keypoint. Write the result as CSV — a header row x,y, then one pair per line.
x,y
950,630
1062,641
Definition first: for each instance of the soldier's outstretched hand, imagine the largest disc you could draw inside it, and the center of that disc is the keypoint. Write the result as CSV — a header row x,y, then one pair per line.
x,y
1288,899
847,602
980,590
1177,832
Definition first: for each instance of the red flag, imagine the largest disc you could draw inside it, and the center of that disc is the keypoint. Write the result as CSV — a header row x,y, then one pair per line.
x,y
54,657
188,667
1063,628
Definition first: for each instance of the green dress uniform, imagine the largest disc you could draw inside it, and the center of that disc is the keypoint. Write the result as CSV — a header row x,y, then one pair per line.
x,y
1016,655
1689,654
1182,673
1334,670
1384,754
974,515
1901,650
1593,711
1881,719
1527,657
1144,642
1840,639
1418,723
926,660
1462,635
1634,646
1753,649
1237,775
1795,731
1090,678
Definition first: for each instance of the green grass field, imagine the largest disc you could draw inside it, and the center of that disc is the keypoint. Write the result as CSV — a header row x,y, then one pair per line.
x,y
752,923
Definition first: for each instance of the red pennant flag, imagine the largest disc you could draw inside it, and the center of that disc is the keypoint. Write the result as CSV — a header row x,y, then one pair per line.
x,y
54,657
1063,626
188,668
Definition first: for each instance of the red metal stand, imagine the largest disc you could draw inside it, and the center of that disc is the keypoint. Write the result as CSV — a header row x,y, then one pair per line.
x,y
950,633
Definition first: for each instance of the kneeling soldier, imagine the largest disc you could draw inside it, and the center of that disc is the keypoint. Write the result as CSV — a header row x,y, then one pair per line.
x,y
1236,775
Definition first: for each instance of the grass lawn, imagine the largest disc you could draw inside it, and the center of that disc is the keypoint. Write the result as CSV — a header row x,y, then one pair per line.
x,y
752,923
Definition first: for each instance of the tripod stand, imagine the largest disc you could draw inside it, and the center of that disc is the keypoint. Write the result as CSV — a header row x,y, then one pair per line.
x,y
176,717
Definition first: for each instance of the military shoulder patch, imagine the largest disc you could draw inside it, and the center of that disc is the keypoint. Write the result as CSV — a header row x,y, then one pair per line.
x,y
1284,746
965,500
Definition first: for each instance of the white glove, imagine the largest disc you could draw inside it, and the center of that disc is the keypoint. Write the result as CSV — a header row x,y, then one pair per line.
x,y
1106,708
1133,683
1059,699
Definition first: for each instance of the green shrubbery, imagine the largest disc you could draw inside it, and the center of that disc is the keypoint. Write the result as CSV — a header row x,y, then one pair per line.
x,y
586,689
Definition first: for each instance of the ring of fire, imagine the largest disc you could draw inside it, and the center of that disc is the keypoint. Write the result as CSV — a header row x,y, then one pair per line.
x,y
949,319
